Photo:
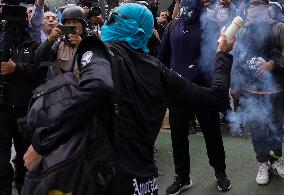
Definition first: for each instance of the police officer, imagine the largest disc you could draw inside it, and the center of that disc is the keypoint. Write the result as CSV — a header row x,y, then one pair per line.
x,y
19,77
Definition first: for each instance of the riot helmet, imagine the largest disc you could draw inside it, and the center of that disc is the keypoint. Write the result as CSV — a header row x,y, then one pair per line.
x,y
74,12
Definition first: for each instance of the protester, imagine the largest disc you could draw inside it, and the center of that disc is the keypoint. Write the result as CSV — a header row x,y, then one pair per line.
x,y
146,88
188,48
162,23
258,83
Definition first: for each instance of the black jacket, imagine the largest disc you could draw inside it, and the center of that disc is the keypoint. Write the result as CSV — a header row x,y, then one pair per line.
x,y
26,77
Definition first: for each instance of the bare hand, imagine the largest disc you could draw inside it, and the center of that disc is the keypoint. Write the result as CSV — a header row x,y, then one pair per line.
x,y
8,67
31,157
40,2
75,39
264,68
54,35
224,45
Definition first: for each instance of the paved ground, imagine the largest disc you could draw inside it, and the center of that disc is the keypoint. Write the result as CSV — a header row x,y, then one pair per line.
x,y
241,168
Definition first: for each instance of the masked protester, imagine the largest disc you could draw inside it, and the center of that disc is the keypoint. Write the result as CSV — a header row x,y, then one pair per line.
x,y
145,89
258,83
60,48
187,48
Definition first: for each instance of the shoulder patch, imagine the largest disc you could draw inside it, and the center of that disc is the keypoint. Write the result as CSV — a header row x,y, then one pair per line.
x,y
86,58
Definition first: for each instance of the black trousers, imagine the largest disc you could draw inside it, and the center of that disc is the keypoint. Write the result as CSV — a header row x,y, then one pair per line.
x,y
210,126
128,184
9,131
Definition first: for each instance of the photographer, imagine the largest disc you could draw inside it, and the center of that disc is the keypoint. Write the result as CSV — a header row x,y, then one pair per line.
x,y
19,77
60,48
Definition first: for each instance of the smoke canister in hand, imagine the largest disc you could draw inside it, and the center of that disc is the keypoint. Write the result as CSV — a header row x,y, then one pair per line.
x,y
234,27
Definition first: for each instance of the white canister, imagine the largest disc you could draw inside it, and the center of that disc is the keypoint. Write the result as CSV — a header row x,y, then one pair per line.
x,y
234,27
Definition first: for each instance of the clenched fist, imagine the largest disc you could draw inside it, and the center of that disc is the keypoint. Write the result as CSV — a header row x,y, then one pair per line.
x,y
7,67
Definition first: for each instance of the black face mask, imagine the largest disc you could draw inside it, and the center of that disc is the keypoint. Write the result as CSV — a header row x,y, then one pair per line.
x,y
190,10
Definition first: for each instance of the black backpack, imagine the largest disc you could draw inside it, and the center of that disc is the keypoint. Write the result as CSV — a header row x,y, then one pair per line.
x,y
84,163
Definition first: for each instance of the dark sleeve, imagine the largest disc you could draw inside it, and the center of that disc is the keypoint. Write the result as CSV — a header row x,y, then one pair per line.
x,y
164,51
195,97
278,51
94,93
46,52
237,77
28,72
26,68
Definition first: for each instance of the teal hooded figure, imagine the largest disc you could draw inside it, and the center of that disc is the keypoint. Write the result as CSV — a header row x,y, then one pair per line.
x,y
131,23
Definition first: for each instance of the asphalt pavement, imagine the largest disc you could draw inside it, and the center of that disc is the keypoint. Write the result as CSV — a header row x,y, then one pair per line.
x,y
241,168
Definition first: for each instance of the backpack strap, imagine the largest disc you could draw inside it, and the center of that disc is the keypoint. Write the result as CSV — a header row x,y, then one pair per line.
x,y
115,78
126,68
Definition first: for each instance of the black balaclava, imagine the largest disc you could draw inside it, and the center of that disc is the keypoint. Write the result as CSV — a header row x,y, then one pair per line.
x,y
190,10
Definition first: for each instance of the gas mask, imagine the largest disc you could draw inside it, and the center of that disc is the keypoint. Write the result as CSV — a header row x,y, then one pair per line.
x,y
190,10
